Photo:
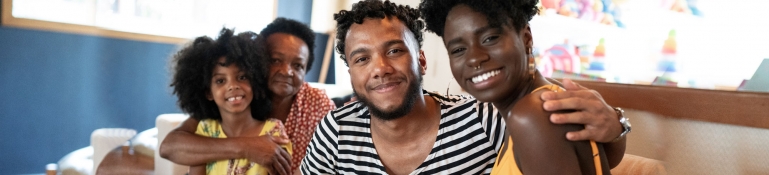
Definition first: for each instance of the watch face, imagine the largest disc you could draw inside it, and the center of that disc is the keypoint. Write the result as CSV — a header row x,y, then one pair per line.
x,y
623,120
625,123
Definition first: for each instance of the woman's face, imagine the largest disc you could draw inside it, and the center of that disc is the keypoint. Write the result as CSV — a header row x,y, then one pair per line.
x,y
490,63
288,64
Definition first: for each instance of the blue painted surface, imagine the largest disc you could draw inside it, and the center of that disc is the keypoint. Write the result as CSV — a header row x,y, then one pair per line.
x,y
300,10
57,88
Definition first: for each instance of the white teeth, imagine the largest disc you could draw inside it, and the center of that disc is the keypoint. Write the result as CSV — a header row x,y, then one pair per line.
x,y
234,98
485,76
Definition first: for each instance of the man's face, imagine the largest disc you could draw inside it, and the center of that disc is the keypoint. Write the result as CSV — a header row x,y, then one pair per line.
x,y
288,64
386,66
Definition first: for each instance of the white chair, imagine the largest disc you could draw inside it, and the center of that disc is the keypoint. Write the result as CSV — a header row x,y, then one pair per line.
x,y
78,162
164,124
105,140
145,142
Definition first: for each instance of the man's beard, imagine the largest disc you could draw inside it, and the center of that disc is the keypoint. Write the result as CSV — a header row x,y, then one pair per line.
x,y
412,93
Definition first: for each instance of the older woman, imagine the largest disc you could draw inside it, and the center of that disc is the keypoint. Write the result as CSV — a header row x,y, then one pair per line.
x,y
298,105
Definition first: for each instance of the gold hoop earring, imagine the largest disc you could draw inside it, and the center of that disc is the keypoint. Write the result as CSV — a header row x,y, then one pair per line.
x,y
532,67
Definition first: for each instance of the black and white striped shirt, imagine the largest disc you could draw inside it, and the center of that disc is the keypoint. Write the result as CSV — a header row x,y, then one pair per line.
x,y
468,140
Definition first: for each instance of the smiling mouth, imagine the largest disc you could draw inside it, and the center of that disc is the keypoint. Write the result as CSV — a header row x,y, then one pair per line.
x,y
485,76
231,99
386,87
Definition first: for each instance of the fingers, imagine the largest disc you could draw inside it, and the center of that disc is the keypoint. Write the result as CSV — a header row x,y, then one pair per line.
x,y
281,162
280,140
580,135
600,120
570,85
571,118
574,100
586,93
279,168
566,104
271,170
600,127
594,128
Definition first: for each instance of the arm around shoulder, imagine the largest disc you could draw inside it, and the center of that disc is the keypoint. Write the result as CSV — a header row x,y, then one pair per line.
x,y
183,146
537,140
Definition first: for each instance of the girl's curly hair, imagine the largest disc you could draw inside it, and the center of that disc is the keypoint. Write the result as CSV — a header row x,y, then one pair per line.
x,y
376,9
498,12
193,67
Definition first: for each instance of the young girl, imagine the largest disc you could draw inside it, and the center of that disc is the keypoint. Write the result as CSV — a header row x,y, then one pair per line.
x,y
222,84
490,53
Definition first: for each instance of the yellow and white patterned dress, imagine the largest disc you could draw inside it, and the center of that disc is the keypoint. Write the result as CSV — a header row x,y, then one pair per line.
x,y
212,128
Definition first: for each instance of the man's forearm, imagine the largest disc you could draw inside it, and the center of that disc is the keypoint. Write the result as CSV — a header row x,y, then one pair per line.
x,y
189,149
615,151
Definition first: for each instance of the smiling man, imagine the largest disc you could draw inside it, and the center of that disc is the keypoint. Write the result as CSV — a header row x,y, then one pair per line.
x,y
396,127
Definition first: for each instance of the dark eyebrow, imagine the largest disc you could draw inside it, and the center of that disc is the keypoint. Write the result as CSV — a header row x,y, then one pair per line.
x,y
359,50
386,44
476,32
279,54
393,42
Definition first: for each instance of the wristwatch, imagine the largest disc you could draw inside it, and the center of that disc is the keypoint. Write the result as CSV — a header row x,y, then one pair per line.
x,y
625,124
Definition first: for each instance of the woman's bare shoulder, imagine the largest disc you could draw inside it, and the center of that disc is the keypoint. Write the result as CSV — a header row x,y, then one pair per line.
x,y
530,115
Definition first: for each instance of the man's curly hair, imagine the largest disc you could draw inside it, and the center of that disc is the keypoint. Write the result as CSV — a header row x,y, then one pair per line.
x,y
296,28
376,9
194,65
498,12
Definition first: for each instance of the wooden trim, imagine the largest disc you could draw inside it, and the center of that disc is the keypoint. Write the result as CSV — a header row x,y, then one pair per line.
x,y
6,11
729,107
327,57
9,21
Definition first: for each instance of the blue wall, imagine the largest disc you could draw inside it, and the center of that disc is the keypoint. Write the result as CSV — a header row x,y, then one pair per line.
x,y
300,10
56,88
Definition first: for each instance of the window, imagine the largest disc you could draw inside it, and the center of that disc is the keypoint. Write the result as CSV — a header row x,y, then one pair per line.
x,y
165,20
702,44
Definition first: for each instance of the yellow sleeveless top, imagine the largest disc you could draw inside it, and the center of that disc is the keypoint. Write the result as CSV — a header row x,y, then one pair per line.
x,y
212,128
508,166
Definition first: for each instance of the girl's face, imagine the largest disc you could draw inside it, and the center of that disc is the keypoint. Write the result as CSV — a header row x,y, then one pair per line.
x,y
488,62
230,89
